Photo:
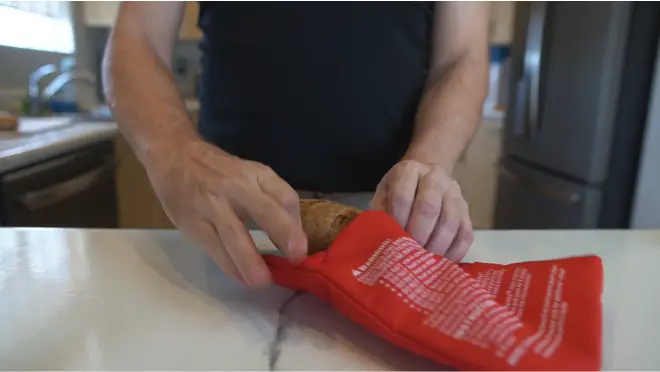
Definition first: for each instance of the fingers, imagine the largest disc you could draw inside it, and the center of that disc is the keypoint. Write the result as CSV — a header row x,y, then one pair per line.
x,y
287,233
379,200
207,237
401,189
281,192
223,191
428,203
462,242
283,230
426,207
236,241
453,233
204,234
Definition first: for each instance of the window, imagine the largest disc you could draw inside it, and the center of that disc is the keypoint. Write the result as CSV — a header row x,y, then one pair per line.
x,y
38,25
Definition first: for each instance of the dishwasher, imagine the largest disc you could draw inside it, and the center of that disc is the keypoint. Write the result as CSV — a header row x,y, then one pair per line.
x,y
75,190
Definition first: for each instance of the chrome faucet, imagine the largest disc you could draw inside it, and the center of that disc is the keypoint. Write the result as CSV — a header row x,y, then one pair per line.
x,y
65,79
34,87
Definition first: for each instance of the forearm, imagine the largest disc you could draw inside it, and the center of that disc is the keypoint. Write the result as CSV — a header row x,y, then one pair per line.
x,y
142,94
450,112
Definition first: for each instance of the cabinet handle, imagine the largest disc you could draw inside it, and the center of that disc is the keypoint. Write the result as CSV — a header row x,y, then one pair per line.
x,y
35,200
533,60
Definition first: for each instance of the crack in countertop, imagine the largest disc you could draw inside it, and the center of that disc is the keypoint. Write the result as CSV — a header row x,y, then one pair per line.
x,y
274,346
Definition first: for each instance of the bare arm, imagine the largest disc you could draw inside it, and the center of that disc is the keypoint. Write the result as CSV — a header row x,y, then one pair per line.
x,y
451,108
139,86
205,192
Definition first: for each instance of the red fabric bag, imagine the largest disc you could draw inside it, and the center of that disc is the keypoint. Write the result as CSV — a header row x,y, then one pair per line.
x,y
543,315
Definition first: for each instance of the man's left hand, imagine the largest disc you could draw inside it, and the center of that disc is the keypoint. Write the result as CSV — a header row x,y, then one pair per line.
x,y
428,203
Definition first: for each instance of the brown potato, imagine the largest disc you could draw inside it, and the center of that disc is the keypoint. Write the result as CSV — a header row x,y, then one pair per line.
x,y
323,220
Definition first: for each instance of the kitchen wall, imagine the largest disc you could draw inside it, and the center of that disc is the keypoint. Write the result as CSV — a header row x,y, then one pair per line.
x,y
95,40
17,65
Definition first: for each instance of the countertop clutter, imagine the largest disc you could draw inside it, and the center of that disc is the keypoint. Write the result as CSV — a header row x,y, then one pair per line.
x,y
134,299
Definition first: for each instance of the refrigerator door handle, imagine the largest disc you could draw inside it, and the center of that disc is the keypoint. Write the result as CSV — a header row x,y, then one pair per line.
x,y
522,88
566,197
532,61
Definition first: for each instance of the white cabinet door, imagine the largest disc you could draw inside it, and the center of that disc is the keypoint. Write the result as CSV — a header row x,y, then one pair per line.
x,y
100,13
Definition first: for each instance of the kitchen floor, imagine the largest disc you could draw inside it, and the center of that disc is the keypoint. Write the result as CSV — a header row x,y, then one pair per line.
x,y
477,173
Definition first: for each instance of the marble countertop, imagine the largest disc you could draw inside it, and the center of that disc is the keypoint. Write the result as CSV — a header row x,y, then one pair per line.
x,y
134,299
21,150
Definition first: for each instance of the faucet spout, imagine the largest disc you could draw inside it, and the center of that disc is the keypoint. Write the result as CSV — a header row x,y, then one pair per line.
x,y
65,79
34,88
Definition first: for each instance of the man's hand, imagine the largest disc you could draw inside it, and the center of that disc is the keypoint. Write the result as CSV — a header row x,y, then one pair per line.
x,y
428,203
419,191
208,194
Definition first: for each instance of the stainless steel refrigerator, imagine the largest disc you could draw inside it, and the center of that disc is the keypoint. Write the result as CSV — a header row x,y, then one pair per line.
x,y
581,75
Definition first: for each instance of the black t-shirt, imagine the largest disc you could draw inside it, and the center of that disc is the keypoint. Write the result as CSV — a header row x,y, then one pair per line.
x,y
325,93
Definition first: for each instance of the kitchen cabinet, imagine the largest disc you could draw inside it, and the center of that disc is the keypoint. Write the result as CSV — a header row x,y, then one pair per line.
x,y
100,13
138,206
189,29
75,189
500,27
103,14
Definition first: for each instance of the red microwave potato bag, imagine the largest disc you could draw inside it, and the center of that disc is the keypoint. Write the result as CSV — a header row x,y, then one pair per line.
x,y
542,315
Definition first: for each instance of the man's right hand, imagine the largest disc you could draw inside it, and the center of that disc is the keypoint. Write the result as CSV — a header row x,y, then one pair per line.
x,y
208,194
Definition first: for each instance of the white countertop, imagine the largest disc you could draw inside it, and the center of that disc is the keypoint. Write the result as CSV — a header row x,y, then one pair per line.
x,y
18,151
133,299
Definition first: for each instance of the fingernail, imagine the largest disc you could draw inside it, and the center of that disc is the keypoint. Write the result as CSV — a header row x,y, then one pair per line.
x,y
296,260
297,249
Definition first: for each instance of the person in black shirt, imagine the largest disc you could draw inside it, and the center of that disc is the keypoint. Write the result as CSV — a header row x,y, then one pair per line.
x,y
375,101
